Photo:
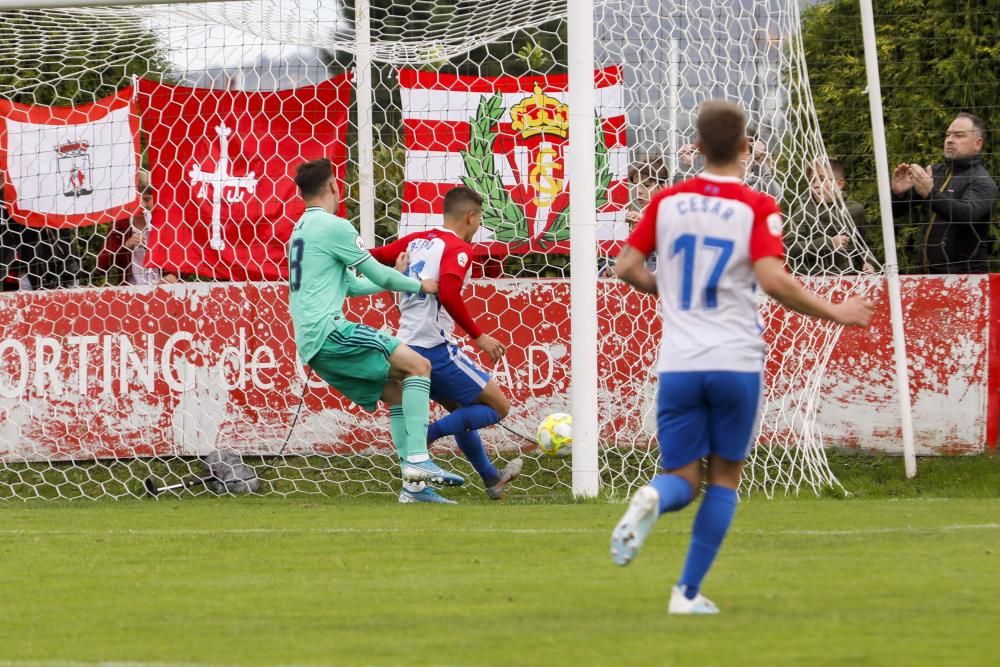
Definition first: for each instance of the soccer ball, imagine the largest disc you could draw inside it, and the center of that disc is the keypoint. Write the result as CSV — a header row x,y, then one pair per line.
x,y
555,434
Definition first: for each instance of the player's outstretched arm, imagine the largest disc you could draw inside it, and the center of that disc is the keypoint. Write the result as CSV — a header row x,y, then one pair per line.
x,y
391,279
630,266
357,286
395,255
786,290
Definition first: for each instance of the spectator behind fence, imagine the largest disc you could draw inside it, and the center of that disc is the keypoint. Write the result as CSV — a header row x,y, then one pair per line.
x,y
137,243
951,203
689,162
10,239
645,178
35,257
115,258
817,240
126,244
760,168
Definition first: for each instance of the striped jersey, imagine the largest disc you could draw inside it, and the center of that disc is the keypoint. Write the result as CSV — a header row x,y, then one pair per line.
x,y
433,254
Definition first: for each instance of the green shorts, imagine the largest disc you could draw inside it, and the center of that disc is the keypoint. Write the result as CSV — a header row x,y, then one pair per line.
x,y
354,360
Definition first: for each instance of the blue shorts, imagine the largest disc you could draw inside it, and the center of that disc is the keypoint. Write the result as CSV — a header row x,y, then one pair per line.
x,y
454,376
707,412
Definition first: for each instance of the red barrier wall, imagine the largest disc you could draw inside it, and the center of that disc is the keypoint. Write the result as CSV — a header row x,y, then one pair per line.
x,y
182,369
993,372
947,326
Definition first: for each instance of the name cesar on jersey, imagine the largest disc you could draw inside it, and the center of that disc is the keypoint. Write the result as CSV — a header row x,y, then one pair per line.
x,y
699,204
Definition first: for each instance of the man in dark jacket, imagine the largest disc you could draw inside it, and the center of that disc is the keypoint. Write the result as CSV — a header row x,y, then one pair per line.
x,y
951,203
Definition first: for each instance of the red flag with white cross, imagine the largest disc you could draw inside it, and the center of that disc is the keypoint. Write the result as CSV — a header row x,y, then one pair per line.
x,y
222,163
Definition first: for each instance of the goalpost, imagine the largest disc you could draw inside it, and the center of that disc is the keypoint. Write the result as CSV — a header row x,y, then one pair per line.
x,y
102,386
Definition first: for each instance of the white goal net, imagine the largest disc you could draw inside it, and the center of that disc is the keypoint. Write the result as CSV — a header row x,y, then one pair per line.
x,y
147,154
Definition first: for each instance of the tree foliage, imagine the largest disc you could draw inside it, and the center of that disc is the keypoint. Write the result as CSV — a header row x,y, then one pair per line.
x,y
62,63
936,58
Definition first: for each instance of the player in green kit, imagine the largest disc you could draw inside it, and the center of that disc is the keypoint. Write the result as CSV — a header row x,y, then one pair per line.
x,y
362,363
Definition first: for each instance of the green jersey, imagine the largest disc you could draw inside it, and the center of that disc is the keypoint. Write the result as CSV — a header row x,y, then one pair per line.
x,y
322,252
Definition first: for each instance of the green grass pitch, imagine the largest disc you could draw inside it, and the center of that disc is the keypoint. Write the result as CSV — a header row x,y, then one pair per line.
x,y
867,580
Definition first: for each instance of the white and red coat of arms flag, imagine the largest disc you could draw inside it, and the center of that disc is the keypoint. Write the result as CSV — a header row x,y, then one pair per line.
x,y
507,138
223,164
70,166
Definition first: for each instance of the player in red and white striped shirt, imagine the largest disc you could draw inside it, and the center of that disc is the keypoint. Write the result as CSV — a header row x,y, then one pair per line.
x,y
427,324
717,240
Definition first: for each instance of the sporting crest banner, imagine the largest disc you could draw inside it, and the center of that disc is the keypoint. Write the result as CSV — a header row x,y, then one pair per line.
x,y
507,138
70,166
222,163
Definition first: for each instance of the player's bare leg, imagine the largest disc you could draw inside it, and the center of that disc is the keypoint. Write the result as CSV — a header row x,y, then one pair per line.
x,y
725,473
494,397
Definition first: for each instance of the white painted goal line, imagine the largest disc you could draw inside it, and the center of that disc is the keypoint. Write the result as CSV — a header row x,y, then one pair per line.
x,y
166,532
75,663
130,663
135,663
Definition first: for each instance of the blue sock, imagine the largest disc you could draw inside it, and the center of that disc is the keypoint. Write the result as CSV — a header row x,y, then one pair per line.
x,y
472,446
675,492
710,527
467,418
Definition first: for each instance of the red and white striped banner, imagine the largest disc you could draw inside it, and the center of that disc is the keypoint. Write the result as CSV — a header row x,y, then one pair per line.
x,y
454,124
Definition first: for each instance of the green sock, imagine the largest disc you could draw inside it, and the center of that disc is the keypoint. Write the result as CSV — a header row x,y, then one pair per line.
x,y
397,428
416,411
